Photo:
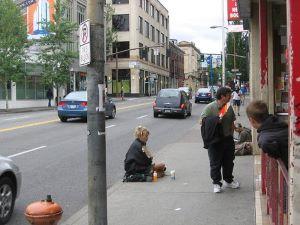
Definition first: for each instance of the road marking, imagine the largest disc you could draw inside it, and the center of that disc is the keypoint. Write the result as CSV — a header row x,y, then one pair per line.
x,y
110,126
133,106
28,125
22,153
56,120
142,116
16,118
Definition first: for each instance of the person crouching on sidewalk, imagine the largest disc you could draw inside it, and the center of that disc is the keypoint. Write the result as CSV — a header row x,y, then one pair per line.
x,y
138,162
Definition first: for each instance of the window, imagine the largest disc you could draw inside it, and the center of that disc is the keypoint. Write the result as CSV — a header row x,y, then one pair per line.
x,y
152,56
147,29
141,50
162,38
158,59
158,36
69,13
167,41
141,25
121,22
152,10
121,46
31,87
167,23
162,20
147,6
123,80
120,1
152,33
81,10
157,15
162,60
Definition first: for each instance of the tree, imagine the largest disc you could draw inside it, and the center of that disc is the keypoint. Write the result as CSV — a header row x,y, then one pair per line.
x,y
56,55
13,38
111,32
239,41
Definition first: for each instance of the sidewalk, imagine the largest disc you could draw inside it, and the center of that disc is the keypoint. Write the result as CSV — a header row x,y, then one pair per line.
x,y
188,200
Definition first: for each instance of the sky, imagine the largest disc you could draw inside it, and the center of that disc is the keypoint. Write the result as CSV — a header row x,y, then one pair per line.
x,y
190,20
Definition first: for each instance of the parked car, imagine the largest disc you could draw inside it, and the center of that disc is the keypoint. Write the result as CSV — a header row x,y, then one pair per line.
x,y
172,101
203,95
187,91
75,105
10,184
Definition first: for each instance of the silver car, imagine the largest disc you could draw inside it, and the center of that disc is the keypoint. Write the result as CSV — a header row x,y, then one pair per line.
x,y
10,183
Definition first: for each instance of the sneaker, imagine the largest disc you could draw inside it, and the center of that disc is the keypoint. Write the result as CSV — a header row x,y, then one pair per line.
x,y
234,184
217,188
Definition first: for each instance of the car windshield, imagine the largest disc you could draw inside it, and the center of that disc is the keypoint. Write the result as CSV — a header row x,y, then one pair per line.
x,y
78,95
168,93
203,90
186,89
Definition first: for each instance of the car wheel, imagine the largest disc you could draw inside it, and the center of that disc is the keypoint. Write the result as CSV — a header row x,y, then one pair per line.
x,y
7,199
63,119
184,115
196,101
113,113
155,115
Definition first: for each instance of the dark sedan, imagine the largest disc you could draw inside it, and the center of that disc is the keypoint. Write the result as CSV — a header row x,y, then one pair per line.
x,y
203,95
75,104
172,101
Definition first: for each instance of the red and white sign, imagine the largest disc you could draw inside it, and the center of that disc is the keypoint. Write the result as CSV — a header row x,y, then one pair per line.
x,y
232,10
84,43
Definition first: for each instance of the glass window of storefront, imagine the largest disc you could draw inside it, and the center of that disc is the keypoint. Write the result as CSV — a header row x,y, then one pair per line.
x,y
123,80
30,87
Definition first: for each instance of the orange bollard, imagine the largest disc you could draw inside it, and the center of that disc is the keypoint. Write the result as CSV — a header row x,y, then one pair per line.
x,y
45,212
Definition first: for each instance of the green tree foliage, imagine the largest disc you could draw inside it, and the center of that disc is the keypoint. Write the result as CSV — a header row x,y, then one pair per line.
x,y
13,40
56,55
111,32
240,40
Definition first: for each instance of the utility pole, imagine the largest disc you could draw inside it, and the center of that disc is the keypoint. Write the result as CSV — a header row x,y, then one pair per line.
x,y
97,196
117,74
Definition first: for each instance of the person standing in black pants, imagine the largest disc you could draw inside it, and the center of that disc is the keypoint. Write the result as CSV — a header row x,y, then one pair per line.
x,y
221,144
49,96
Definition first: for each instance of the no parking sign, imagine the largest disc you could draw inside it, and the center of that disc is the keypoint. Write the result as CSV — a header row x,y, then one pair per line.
x,y
84,43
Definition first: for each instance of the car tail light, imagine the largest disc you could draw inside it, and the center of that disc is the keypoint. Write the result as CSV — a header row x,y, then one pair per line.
x,y
209,94
83,103
61,103
154,104
182,106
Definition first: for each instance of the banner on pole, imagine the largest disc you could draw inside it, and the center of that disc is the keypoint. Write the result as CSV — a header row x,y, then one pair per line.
x,y
232,10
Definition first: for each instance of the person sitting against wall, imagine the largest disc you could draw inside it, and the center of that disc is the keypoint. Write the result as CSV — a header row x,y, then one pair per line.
x,y
243,145
138,163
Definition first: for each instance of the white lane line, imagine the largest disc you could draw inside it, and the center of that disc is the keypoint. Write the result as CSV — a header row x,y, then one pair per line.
x,y
110,126
25,152
142,116
17,118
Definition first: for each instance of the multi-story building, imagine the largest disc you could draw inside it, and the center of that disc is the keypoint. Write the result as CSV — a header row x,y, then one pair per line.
x,y
30,91
142,24
176,64
191,68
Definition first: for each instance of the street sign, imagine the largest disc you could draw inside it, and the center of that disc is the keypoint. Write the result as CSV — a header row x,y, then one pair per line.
x,y
238,74
84,43
234,70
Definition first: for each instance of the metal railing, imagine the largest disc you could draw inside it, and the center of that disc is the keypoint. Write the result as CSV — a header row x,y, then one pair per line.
x,y
275,186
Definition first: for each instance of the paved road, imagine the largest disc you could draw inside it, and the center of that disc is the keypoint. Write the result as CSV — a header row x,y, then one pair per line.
x,y
52,155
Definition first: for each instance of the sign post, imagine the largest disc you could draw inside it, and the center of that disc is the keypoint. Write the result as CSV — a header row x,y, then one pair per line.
x,y
84,43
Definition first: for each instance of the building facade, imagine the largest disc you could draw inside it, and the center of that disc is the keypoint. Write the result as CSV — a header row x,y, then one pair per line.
x,y
274,78
143,28
191,64
176,64
30,91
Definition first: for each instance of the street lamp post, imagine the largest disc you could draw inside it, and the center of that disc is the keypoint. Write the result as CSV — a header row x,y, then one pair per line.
x,y
223,48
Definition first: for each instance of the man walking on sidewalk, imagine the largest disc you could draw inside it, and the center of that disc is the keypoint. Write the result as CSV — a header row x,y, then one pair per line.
x,y
217,120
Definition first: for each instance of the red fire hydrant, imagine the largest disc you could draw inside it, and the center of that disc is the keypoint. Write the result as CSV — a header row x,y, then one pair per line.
x,y
45,212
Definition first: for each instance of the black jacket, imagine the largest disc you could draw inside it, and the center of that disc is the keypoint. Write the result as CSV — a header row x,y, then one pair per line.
x,y
273,138
136,160
211,130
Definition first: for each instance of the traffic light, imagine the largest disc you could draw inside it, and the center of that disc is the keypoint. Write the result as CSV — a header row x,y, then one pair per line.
x,y
202,58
